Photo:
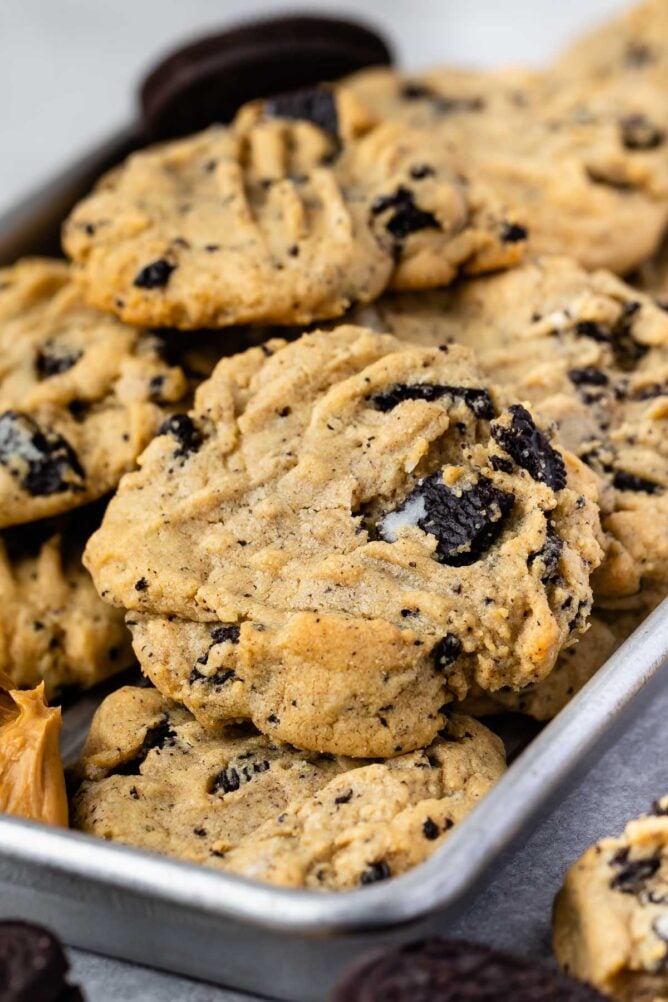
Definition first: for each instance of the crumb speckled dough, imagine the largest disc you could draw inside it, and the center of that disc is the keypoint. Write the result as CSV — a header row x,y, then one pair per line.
x,y
611,916
80,394
591,354
652,278
276,220
574,667
54,627
372,523
582,147
234,799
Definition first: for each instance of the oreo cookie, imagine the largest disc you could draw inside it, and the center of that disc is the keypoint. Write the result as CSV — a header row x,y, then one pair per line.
x,y
453,970
33,965
208,80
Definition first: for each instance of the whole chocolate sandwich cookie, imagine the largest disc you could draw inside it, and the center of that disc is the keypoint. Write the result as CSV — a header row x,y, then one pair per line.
x,y
453,970
54,627
591,353
80,394
297,210
207,81
344,533
234,799
33,965
611,916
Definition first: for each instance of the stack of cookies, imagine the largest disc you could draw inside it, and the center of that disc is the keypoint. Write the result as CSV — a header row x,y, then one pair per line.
x,y
422,478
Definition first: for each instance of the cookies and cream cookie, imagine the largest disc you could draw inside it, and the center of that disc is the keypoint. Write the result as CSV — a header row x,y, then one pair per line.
x,y
356,529
591,354
611,915
80,394
231,798
286,217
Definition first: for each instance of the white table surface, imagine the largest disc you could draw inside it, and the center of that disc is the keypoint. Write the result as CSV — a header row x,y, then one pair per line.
x,y
68,73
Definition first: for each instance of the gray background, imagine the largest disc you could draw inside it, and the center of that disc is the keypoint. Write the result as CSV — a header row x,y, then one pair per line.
x,y
68,72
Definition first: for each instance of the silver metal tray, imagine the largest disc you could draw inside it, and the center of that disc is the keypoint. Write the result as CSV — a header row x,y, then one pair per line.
x,y
282,943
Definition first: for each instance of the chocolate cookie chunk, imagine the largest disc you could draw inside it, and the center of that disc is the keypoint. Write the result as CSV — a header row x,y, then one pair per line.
x,y
208,80
33,965
453,970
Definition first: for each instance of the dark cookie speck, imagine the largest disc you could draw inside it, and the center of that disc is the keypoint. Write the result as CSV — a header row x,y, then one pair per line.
x,y
407,217
375,872
154,275
183,429
44,463
477,399
530,448
316,105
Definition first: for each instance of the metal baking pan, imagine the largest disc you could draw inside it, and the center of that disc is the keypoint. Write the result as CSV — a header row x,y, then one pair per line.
x,y
284,944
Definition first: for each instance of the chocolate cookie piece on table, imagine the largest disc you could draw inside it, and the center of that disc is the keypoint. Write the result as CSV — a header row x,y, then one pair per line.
x,y
33,965
450,970
80,394
234,799
591,353
611,915
206,81
370,527
276,220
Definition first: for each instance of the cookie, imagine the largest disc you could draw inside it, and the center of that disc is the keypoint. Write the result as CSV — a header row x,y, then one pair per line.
x,y
450,970
574,668
208,80
293,213
357,529
586,154
151,776
591,354
377,821
611,915
234,799
32,784
54,627
33,965
80,394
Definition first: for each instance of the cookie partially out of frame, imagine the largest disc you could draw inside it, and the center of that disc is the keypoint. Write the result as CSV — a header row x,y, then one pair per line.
x,y
581,146
343,533
296,211
453,970
54,627
231,798
80,394
611,915
591,354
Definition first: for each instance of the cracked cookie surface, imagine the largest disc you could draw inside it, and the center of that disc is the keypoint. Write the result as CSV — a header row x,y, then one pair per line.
x,y
277,220
231,798
611,915
80,394
372,526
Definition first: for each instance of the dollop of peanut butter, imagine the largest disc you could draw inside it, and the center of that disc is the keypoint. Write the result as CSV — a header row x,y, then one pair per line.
x,y
32,783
